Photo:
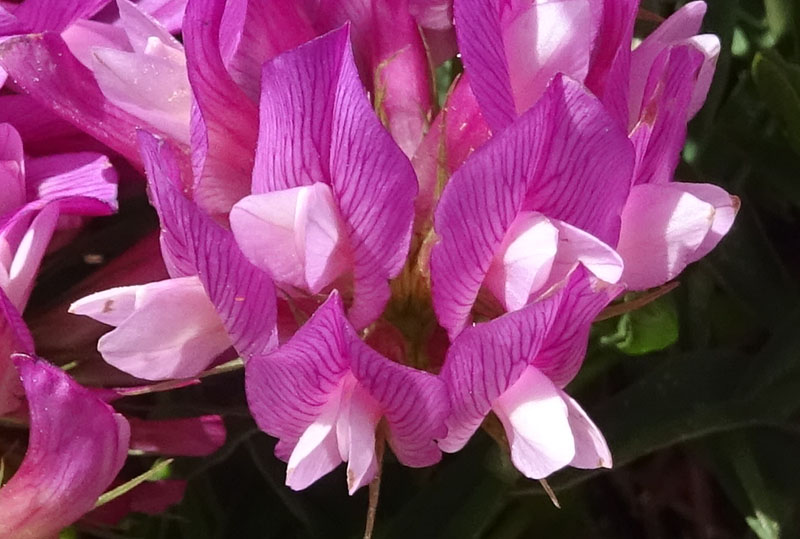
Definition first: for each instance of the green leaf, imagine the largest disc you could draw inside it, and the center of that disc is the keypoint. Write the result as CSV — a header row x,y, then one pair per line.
x,y
648,329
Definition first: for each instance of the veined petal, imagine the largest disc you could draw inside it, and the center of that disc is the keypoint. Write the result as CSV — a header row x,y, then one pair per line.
x,y
666,227
173,332
288,389
485,360
480,36
564,158
77,445
328,133
169,13
413,402
43,67
243,295
53,15
224,123
564,348
535,418
591,450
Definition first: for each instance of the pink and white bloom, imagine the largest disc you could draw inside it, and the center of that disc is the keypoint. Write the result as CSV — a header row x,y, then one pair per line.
x,y
524,210
332,193
323,394
517,366
77,445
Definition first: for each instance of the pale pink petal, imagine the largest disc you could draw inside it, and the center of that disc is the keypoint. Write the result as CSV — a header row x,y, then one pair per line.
x,y
664,227
535,419
576,246
524,260
591,450
77,445
224,122
83,36
328,133
486,359
174,332
153,86
355,433
141,28
710,46
564,158
112,306
316,452
42,66
296,235
726,207
190,437
243,295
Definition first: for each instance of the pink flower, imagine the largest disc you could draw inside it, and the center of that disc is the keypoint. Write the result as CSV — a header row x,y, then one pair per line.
x,y
76,447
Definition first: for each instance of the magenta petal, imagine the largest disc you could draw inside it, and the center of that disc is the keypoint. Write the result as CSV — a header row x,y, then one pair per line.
x,y
253,32
77,445
562,353
665,109
243,295
414,403
225,122
487,359
190,437
565,158
329,133
289,389
43,67
80,178
680,26
53,15
169,13
480,35
609,68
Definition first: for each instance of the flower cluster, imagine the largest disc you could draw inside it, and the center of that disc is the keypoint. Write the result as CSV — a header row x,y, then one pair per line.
x,y
387,269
